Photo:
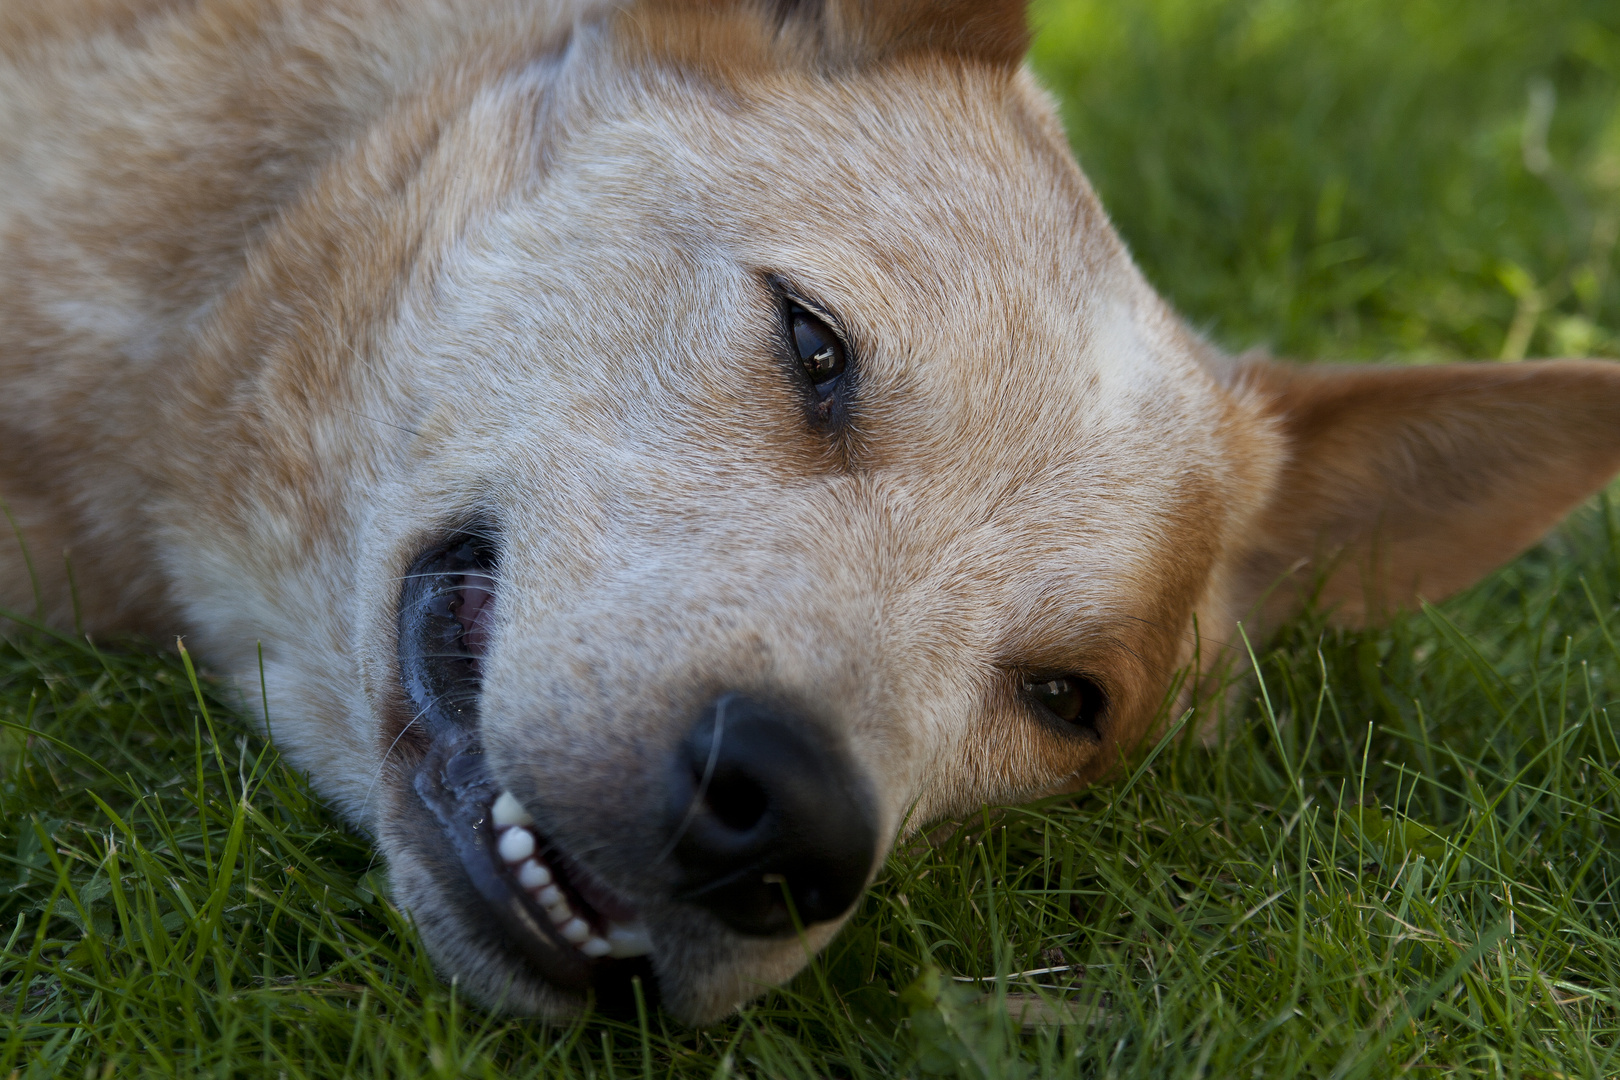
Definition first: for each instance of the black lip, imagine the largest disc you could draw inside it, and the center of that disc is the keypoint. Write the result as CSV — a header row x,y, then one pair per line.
x,y
454,790
457,790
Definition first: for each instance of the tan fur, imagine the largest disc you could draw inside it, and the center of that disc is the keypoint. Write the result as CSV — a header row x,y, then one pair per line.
x,y
287,288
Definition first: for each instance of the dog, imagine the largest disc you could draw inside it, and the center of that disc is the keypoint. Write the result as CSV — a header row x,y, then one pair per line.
x,y
668,450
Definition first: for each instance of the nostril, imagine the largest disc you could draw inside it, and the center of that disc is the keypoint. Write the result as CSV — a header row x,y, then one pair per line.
x,y
737,800
770,824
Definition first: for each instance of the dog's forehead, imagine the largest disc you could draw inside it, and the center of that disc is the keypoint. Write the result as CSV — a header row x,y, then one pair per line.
x,y
1018,375
935,211
1022,395
881,178
1020,387
1059,508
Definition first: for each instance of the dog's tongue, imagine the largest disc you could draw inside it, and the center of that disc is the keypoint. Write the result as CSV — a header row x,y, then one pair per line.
x,y
475,611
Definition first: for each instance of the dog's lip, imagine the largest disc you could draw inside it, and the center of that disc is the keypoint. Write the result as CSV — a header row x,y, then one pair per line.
x,y
447,603
590,890
584,910
453,784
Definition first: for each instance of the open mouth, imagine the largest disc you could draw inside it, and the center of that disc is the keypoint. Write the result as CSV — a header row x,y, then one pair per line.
x,y
583,911
569,928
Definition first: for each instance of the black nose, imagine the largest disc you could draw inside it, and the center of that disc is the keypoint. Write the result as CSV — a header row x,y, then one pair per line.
x,y
761,803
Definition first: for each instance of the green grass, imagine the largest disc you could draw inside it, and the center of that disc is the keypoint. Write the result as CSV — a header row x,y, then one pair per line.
x,y
1402,856
1358,177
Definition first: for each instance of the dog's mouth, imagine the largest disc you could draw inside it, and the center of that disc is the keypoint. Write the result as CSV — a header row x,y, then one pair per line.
x,y
530,898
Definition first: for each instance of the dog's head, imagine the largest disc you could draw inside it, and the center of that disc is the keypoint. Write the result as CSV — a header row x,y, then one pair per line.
x,y
795,457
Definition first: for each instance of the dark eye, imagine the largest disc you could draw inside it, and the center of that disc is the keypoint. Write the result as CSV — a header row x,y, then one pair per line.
x,y
1074,699
817,348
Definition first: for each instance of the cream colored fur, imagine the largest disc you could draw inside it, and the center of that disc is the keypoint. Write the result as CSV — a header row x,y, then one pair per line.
x,y
287,288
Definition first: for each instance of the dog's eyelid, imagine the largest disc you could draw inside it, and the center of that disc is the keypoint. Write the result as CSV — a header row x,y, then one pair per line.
x,y
819,352
789,292
1076,698
790,296
820,313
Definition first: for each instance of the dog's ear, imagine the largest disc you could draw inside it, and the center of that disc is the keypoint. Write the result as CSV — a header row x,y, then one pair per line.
x,y
991,31
1407,484
841,32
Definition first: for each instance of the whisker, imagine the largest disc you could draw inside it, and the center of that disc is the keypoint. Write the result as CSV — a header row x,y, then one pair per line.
x,y
703,785
372,787
384,423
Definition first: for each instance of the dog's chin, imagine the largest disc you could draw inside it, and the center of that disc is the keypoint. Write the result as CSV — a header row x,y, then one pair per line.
x,y
508,914
503,911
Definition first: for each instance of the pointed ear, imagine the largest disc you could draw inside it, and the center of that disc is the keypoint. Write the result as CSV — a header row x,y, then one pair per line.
x,y
990,31
836,32
1407,484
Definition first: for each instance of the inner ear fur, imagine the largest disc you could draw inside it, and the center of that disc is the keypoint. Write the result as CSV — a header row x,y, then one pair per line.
x,y
838,32
1402,485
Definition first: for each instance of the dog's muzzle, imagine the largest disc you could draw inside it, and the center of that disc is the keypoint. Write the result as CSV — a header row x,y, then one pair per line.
x,y
521,898
767,826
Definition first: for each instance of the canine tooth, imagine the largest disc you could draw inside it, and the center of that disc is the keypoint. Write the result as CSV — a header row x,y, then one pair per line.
x,y
517,844
627,941
575,930
549,896
594,947
533,875
508,811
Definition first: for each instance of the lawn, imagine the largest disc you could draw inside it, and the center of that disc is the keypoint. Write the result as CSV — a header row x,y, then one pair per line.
x,y
1401,857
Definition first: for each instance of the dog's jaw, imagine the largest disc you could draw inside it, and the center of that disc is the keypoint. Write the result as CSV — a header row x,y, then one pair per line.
x,y
583,911
519,902
574,935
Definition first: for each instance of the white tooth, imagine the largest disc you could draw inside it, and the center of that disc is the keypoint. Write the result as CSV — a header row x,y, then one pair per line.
x,y
549,896
533,875
508,811
575,930
594,947
560,913
625,941
517,844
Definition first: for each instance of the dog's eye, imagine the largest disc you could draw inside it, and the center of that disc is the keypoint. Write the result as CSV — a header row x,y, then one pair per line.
x,y
820,353
1074,699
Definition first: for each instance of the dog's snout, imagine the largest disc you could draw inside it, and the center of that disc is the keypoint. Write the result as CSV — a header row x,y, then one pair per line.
x,y
765,809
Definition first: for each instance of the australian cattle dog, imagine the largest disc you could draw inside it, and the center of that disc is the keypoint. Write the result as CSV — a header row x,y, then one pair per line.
x,y
667,449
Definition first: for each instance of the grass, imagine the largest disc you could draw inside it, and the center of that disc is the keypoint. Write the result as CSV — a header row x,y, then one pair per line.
x,y
1358,178
1402,856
